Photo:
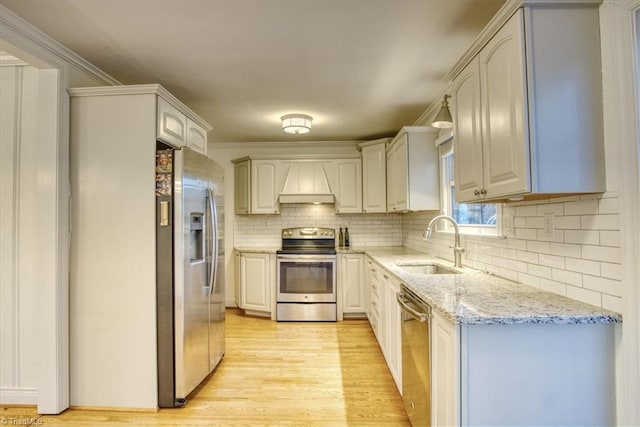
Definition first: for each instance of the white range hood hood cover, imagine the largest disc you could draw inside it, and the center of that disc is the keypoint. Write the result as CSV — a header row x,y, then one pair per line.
x,y
307,181
306,198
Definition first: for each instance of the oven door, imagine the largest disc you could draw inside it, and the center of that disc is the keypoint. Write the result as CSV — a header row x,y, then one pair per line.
x,y
306,278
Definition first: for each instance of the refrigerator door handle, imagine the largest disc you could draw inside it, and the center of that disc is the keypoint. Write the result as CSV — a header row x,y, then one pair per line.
x,y
214,240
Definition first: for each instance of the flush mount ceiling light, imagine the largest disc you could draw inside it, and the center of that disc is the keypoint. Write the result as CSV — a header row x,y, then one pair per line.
x,y
296,123
443,119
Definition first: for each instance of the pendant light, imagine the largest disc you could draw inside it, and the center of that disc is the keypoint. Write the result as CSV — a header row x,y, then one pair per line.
x,y
443,119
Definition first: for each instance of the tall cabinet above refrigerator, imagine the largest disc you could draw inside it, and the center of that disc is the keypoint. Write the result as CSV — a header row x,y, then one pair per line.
x,y
147,249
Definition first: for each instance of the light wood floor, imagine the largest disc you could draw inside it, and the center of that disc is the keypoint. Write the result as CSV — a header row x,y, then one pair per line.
x,y
273,374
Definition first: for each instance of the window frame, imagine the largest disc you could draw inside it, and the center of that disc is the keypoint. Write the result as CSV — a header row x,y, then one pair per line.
x,y
446,155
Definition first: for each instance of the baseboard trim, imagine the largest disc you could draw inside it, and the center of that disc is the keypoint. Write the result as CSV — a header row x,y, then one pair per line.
x,y
18,396
112,409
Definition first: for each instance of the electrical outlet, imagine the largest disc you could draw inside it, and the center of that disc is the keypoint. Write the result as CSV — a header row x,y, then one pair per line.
x,y
549,226
507,225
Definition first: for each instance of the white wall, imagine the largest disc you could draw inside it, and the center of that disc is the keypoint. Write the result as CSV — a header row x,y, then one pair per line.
x,y
58,68
18,234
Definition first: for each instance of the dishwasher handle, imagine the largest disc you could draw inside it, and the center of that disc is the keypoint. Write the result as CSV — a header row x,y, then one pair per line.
x,y
422,317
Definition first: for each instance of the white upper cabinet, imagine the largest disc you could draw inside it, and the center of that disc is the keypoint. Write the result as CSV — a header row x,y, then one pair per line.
x,y
348,186
172,124
465,107
256,187
196,137
412,171
264,198
175,128
527,108
242,170
374,177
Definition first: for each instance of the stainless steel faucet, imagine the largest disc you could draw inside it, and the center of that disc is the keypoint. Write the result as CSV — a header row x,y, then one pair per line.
x,y
457,249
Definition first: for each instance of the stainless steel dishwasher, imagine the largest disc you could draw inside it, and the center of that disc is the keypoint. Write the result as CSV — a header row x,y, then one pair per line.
x,y
416,356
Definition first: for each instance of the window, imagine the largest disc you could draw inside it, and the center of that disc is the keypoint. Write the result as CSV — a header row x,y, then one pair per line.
x,y
472,218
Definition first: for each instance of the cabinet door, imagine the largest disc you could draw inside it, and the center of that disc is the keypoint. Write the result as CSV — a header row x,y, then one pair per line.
x,y
264,198
196,137
444,372
348,188
398,176
242,187
393,331
465,106
255,283
353,298
172,124
236,283
374,178
504,113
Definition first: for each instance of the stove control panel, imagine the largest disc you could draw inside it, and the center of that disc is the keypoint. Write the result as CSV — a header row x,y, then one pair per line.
x,y
308,233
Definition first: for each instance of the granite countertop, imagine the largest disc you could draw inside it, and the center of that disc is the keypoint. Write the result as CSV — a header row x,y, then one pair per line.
x,y
477,298
257,250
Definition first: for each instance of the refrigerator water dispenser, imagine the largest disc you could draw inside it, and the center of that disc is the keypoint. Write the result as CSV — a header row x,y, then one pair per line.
x,y
196,237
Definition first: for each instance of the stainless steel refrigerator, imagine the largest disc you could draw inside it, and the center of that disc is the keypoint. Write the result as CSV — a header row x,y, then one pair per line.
x,y
190,271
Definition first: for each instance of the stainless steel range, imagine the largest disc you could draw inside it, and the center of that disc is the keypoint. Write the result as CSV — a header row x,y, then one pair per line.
x,y
306,275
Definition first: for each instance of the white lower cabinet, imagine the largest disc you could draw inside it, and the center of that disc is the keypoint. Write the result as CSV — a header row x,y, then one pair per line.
x,y
529,374
373,296
444,372
351,284
383,313
392,330
256,282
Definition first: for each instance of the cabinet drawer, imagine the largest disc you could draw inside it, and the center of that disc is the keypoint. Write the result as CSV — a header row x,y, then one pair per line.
x,y
375,291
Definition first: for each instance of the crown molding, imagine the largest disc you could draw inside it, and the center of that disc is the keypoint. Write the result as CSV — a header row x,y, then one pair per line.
x,y
12,24
285,144
7,60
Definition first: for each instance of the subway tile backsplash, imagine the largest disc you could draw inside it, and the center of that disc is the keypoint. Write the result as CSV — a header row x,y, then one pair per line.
x,y
364,230
580,260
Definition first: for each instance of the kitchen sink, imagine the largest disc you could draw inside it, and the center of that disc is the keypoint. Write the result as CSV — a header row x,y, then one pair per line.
x,y
425,268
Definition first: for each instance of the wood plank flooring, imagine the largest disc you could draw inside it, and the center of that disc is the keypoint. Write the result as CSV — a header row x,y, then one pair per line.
x,y
273,374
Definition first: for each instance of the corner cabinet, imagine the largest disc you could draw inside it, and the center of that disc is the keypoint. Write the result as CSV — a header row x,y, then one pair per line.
x,y
374,176
527,110
412,171
256,186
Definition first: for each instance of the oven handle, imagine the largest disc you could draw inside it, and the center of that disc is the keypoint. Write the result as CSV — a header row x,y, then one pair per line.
x,y
308,257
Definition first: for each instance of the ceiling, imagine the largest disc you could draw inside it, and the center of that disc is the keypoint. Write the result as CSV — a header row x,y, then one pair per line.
x,y
361,68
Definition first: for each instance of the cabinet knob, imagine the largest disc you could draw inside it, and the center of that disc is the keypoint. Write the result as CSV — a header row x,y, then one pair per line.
x,y
476,192
483,191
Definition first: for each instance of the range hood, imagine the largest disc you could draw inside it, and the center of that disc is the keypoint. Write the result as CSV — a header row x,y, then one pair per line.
x,y
307,182
307,198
